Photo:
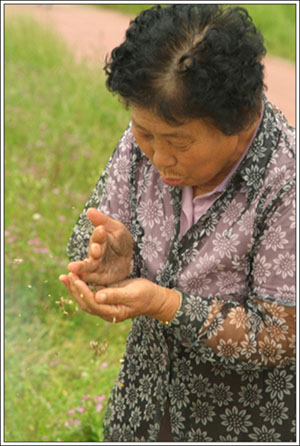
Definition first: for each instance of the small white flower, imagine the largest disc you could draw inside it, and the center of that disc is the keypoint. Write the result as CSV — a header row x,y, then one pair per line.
x,y
261,269
236,420
122,168
228,282
178,394
150,247
248,348
167,228
123,215
279,383
279,177
285,265
221,395
150,212
197,436
275,238
194,283
207,263
228,349
123,195
225,243
238,317
250,395
254,176
135,417
111,186
202,412
265,435
286,294
233,212
196,308
269,125
274,412
271,352
257,151
245,223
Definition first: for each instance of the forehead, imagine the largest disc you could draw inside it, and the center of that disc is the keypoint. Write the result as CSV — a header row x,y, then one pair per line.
x,y
147,120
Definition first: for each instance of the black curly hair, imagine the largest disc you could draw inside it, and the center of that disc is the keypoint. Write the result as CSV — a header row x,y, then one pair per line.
x,y
189,62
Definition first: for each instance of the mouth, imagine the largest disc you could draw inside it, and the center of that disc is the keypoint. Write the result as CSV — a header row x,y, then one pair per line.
x,y
171,181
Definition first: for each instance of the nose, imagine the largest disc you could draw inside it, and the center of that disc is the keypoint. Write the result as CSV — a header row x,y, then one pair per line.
x,y
162,157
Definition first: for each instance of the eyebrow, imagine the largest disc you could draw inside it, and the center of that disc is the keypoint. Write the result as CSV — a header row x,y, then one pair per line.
x,y
168,135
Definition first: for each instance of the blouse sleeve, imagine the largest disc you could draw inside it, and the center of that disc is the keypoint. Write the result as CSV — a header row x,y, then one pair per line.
x,y
260,327
110,196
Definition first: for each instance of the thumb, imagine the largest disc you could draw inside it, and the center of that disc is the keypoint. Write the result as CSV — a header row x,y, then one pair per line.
x,y
96,217
99,219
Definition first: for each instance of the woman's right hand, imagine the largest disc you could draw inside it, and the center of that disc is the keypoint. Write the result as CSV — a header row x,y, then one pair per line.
x,y
110,252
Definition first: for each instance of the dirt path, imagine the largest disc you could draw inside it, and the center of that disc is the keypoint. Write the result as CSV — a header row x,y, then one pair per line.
x,y
92,33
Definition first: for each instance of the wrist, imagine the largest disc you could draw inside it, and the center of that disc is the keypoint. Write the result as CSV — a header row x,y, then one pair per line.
x,y
170,302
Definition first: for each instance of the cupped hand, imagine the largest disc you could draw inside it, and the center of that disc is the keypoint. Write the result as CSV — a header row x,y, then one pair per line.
x,y
124,300
135,297
110,251
82,293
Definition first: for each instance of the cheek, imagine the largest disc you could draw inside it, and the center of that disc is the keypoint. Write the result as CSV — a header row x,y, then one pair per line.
x,y
144,146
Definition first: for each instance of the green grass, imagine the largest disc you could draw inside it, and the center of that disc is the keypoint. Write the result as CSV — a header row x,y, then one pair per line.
x,y
277,22
60,128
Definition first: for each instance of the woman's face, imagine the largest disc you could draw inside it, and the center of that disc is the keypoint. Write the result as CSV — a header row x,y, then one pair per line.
x,y
193,154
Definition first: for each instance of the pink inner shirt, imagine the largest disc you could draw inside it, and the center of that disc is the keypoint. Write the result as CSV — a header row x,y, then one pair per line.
x,y
193,209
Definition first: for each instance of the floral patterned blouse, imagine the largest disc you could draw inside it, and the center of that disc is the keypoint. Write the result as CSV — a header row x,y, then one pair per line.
x,y
226,363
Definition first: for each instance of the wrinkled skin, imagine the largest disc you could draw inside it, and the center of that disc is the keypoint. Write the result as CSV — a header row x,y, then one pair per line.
x,y
110,252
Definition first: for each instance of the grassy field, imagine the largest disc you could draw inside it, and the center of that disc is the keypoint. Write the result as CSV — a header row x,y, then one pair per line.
x,y
277,22
60,128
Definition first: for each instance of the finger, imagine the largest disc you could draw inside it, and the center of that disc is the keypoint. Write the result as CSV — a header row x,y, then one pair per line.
x,y
65,281
95,278
105,312
75,267
99,235
111,296
98,243
98,218
77,294
83,266
83,289
72,287
95,250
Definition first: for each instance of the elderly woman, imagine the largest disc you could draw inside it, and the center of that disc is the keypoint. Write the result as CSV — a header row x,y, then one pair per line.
x,y
190,231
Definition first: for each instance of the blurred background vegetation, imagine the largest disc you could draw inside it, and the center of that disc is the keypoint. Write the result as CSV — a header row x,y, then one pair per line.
x,y
60,127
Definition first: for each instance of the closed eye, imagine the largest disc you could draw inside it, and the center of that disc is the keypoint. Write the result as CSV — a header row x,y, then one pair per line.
x,y
182,148
144,136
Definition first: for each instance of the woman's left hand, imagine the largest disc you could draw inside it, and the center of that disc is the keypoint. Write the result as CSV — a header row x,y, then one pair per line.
x,y
125,299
